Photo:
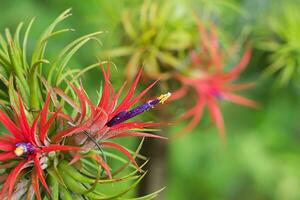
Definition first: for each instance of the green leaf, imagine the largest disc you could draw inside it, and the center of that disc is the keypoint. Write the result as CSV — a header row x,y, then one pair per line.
x,y
124,191
39,50
128,26
54,186
65,55
25,41
120,51
65,194
146,197
13,97
74,173
169,59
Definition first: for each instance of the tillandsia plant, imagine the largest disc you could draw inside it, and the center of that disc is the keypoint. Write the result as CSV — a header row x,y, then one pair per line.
x,y
208,79
64,149
284,43
155,38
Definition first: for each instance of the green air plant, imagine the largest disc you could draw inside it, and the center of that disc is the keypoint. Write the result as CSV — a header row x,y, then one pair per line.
x,y
155,38
283,42
61,149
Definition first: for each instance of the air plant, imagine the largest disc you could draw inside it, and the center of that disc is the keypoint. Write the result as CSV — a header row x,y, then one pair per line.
x,y
209,81
282,41
27,145
155,38
107,120
45,142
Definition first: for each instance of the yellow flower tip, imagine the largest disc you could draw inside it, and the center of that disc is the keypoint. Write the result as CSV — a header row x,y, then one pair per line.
x,y
162,98
19,151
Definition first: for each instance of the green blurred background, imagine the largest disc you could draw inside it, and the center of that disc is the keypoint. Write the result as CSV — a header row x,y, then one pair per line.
x,y
261,157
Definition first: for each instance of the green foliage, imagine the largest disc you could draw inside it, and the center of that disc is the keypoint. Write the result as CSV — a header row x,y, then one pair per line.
x,y
283,42
21,72
154,38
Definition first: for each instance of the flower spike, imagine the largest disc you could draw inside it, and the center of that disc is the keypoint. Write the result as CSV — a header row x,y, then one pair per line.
x,y
24,149
125,115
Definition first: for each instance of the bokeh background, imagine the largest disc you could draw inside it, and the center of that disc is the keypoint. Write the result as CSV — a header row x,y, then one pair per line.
x,y
261,157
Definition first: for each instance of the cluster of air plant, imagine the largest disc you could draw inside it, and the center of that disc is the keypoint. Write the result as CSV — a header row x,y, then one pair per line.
x,y
281,40
203,69
56,137
155,38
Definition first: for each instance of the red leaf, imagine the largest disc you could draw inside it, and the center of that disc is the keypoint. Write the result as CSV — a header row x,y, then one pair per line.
x,y
235,72
57,147
12,128
82,101
216,116
137,134
131,125
44,114
6,146
178,94
7,155
114,99
106,91
214,51
75,159
66,116
40,173
99,159
88,101
35,185
33,131
7,138
139,96
68,132
48,124
23,120
128,96
61,93
239,100
100,118
235,87
196,112
13,176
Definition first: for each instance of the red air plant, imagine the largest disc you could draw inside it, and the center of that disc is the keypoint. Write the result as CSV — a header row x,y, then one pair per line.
x,y
210,82
26,145
107,119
